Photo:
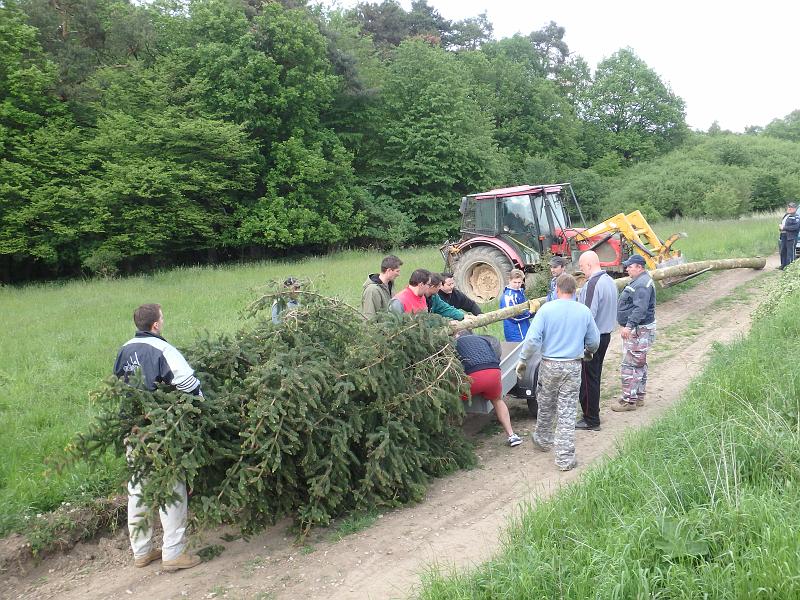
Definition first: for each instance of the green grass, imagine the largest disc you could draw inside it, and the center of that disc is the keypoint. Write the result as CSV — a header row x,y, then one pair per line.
x,y
703,504
61,339
353,524
730,238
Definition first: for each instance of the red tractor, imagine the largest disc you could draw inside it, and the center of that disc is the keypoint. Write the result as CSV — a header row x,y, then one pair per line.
x,y
516,227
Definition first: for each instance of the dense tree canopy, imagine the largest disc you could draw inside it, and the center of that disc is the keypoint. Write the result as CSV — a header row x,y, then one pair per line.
x,y
631,111
135,135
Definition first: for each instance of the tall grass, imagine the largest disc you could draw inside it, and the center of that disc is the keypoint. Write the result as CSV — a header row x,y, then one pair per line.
x,y
703,504
756,235
61,339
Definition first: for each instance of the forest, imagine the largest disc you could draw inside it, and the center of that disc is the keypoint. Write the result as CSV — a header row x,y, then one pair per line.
x,y
135,136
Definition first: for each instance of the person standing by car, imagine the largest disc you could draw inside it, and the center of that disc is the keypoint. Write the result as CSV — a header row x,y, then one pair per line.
x,y
558,266
565,333
599,293
789,226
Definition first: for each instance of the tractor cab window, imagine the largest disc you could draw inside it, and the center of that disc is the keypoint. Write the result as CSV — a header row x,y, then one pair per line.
x,y
550,214
516,215
479,217
559,215
539,208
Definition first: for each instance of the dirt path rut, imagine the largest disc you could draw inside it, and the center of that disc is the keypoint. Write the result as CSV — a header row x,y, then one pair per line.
x,y
462,517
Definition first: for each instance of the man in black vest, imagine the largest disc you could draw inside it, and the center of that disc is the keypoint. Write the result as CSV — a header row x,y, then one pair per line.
x,y
600,295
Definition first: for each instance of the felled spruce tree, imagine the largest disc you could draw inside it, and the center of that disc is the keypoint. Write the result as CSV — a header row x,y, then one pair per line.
x,y
320,415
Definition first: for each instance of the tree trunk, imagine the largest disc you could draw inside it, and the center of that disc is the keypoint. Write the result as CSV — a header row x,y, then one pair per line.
x,y
470,322
684,270
681,271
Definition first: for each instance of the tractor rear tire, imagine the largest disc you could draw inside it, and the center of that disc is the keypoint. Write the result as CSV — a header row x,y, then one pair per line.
x,y
482,273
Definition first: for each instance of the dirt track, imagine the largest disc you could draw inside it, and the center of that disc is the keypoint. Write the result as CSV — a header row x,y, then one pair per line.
x,y
460,521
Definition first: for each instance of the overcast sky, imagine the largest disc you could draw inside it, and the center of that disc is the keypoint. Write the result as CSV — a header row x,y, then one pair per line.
x,y
733,62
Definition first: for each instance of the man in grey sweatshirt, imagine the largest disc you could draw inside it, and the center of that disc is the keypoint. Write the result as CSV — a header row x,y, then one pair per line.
x,y
599,293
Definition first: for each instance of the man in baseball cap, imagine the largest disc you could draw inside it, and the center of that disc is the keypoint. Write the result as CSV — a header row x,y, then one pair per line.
x,y
636,314
636,259
557,267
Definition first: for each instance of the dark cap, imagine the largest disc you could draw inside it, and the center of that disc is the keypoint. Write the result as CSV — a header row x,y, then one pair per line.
x,y
291,282
791,205
558,261
636,259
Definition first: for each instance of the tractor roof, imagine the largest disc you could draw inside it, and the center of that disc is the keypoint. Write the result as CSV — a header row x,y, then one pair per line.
x,y
518,190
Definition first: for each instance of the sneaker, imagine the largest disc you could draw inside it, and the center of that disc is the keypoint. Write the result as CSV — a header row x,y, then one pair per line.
x,y
570,466
184,561
538,446
582,424
514,440
143,561
623,406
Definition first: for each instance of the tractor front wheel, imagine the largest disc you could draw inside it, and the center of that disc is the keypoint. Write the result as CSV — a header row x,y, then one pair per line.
x,y
482,273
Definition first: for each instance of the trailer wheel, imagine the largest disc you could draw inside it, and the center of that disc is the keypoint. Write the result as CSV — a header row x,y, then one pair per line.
x,y
533,403
481,273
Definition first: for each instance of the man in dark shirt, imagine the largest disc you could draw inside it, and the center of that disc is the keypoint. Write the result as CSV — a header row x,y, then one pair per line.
x,y
457,298
789,226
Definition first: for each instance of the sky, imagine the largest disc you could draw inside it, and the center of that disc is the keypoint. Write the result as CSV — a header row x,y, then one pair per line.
x,y
737,63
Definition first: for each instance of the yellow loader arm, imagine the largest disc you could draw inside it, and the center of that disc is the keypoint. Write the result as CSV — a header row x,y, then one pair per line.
x,y
635,229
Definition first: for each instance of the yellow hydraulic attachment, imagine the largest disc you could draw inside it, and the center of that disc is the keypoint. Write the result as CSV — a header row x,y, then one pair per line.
x,y
636,231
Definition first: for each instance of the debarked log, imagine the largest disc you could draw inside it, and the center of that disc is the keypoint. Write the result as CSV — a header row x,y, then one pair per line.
x,y
684,270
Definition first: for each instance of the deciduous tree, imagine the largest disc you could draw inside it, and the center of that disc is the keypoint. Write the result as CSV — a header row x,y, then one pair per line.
x,y
631,110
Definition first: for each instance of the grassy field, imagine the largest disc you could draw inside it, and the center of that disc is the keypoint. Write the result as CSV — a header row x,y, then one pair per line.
x,y
62,338
703,504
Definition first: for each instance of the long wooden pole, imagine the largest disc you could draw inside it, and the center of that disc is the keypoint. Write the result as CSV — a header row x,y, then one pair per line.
x,y
658,274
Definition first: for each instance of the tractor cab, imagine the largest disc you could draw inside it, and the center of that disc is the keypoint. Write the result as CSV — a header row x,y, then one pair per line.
x,y
508,228
529,218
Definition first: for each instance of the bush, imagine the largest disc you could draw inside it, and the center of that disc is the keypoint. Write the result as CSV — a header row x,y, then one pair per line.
x,y
103,262
320,415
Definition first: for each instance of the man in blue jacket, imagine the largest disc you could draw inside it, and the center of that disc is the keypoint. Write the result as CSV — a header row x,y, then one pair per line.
x,y
515,328
158,362
789,226
636,313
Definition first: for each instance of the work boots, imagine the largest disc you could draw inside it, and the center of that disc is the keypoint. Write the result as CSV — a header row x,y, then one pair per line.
x,y
184,561
143,561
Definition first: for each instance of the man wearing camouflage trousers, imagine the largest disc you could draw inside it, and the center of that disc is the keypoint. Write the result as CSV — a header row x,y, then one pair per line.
x,y
636,313
565,333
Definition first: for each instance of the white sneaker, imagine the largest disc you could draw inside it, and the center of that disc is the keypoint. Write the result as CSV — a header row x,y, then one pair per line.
x,y
514,440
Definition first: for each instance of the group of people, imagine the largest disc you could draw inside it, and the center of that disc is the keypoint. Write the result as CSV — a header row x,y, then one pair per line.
x,y
426,292
571,336
572,331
